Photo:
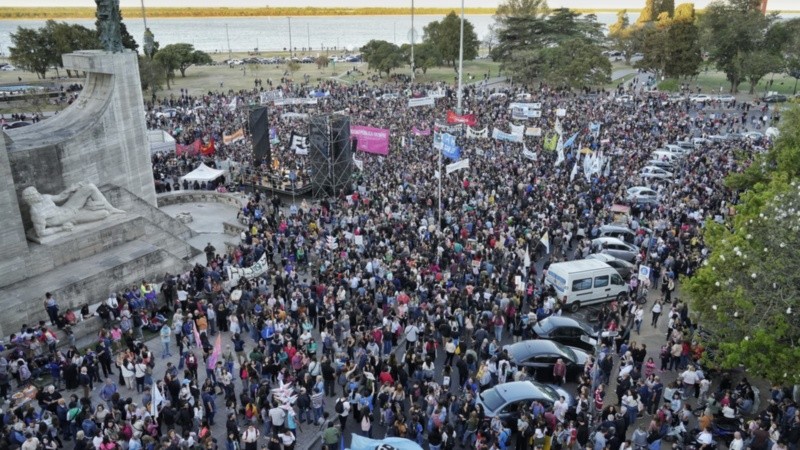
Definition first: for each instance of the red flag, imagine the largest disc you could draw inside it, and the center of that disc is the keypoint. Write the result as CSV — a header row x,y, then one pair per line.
x,y
468,119
212,360
208,150
196,146
180,149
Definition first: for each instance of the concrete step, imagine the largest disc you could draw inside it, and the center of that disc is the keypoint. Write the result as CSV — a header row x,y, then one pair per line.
x,y
87,281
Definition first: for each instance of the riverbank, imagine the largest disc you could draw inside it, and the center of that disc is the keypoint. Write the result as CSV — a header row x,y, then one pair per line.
x,y
89,13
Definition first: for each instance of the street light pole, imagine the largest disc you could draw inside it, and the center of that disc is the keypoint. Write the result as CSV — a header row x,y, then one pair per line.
x,y
459,110
290,37
413,69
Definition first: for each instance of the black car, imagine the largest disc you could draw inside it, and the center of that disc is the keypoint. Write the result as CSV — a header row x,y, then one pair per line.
x,y
540,355
775,98
567,331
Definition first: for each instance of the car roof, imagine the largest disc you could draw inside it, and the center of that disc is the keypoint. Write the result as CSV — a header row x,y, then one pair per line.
x,y
580,265
523,350
561,321
518,390
609,240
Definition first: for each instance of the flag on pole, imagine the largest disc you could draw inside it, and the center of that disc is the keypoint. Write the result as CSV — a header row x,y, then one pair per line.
x,y
560,150
550,142
196,335
607,171
156,400
558,128
545,240
208,149
527,258
570,141
212,360
449,147
574,170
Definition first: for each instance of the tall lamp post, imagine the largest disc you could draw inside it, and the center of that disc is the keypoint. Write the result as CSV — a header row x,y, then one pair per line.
x,y
290,37
413,69
460,62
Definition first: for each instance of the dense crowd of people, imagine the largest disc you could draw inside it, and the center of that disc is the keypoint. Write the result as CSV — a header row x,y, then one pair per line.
x,y
383,309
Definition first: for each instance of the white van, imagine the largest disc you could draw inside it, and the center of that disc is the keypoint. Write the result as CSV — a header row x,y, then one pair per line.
x,y
585,282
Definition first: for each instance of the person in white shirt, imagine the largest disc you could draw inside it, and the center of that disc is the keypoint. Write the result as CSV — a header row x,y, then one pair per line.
x,y
737,443
250,437
689,379
705,437
560,409
412,333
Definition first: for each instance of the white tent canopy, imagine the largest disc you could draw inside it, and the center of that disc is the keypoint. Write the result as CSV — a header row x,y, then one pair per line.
x,y
203,173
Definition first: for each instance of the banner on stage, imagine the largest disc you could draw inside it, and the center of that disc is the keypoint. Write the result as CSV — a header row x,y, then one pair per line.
x,y
371,140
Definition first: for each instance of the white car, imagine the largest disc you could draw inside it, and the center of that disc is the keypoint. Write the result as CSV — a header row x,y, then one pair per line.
x,y
8,68
168,113
754,135
670,157
655,172
725,98
700,98
673,148
623,99
641,194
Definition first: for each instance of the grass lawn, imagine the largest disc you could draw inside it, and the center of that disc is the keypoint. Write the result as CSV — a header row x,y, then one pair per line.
x,y
712,81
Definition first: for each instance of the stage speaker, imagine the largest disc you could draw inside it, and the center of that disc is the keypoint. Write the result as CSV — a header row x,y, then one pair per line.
x,y
259,131
330,154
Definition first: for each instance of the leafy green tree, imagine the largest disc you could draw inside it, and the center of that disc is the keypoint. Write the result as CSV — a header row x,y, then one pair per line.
x,y
684,52
180,57
666,6
426,55
746,294
152,74
382,56
33,50
322,61
654,44
758,64
518,24
68,38
576,63
730,31
621,35
446,35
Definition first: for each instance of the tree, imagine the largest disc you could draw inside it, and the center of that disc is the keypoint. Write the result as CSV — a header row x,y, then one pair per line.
x,y
180,57
649,13
518,23
576,63
445,35
746,294
322,61
621,35
684,54
152,74
32,50
666,6
758,64
426,55
490,40
292,66
68,38
382,56
127,40
653,42
730,31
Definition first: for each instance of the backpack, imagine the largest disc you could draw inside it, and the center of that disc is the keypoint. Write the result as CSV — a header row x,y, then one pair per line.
x,y
24,372
339,407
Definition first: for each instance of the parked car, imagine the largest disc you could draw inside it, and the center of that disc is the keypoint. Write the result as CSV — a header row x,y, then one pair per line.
x,y
775,98
725,98
700,98
17,124
539,356
167,112
8,68
624,268
754,135
655,172
504,400
641,195
567,331
616,248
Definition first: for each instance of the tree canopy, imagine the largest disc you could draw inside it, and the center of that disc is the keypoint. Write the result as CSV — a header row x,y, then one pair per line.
x,y
445,36
37,50
179,57
747,294
382,56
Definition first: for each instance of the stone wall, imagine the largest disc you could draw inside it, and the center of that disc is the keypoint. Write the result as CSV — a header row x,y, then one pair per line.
x,y
175,198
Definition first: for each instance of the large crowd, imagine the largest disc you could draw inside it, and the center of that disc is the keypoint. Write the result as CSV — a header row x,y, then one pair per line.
x,y
376,311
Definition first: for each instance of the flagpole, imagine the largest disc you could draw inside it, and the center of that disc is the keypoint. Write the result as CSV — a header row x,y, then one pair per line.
x,y
439,220
461,61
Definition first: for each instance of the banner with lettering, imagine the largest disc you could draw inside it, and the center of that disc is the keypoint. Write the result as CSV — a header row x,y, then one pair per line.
x,y
236,136
371,140
417,132
481,134
503,136
424,101
463,164
468,119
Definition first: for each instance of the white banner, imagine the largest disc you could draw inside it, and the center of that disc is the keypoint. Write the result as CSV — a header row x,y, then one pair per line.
x,y
518,130
291,115
463,164
270,96
299,144
525,105
358,163
530,155
424,101
482,134
295,101
256,270
502,136
436,94
535,131
561,112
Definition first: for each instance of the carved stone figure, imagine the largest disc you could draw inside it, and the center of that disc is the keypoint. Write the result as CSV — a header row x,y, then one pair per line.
x,y
80,203
109,18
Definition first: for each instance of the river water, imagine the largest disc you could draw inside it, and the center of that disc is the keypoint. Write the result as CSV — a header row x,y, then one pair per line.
x,y
241,34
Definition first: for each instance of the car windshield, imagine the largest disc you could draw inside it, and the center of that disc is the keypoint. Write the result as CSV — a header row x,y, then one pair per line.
x,y
586,328
567,351
545,326
491,399
549,392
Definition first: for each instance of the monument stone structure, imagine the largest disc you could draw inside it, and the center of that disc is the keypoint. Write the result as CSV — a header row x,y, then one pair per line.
x,y
79,214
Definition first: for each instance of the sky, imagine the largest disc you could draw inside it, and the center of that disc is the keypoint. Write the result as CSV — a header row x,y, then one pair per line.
x,y
609,4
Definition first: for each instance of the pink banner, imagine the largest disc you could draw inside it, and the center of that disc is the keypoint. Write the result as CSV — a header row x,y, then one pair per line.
x,y
418,132
371,140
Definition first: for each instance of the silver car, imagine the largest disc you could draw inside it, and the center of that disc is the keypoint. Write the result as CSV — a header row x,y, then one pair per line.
x,y
504,400
616,248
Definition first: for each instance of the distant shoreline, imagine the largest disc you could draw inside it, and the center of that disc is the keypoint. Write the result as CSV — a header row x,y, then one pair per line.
x,y
25,13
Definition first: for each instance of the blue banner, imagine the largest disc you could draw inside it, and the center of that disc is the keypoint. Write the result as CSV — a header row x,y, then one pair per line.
x,y
570,141
390,443
449,147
